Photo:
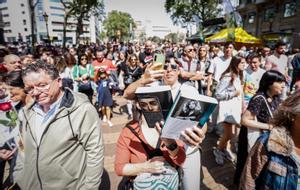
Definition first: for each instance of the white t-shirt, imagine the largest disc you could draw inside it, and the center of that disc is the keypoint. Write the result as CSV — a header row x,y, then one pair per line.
x,y
218,66
278,62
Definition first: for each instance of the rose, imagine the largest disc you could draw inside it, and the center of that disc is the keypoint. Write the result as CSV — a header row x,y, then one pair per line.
x,y
5,106
2,68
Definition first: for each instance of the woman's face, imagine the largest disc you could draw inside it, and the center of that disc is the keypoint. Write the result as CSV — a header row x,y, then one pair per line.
x,y
122,56
133,61
276,88
202,52
83,60
241,65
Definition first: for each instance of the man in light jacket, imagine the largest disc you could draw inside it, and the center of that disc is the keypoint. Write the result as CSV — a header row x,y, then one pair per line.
x,y
62,138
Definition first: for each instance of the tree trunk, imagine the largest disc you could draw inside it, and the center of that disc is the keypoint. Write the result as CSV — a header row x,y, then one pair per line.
x,y
79,29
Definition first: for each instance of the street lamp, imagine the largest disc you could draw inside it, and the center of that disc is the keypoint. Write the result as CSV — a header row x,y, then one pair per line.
x,y
46,16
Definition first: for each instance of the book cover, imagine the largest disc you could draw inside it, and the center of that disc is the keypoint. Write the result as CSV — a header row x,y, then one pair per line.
x,y
190,108
155,103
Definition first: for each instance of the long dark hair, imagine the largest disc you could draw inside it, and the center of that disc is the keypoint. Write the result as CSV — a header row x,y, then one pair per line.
x,y
268,78
233,69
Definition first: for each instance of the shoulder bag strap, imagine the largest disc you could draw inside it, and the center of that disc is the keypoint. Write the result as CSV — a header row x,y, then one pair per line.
x,y
143,143
270,112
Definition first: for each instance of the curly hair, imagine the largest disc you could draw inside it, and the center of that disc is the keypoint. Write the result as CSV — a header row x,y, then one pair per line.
x,y
285,114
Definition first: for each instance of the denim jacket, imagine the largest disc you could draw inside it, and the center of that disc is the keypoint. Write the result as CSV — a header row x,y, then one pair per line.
x,y
270,164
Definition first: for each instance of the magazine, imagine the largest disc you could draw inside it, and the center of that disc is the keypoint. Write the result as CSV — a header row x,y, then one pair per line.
x,y
155,103
189,109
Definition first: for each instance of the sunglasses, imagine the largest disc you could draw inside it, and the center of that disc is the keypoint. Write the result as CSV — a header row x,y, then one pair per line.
x,y
190,50
83,59
173,66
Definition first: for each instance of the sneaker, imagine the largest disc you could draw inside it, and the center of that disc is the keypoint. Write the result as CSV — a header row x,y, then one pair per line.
x,y
109,123
104,119
219,156
228,155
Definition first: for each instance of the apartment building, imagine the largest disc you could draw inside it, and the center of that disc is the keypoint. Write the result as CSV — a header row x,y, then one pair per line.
x,y
17,24
272,20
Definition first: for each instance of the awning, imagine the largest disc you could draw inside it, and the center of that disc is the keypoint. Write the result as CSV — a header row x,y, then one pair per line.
x,y
240,36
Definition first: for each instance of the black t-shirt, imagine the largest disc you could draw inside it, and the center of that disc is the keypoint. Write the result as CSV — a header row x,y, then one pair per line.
x,y
258,107
144,57
131,74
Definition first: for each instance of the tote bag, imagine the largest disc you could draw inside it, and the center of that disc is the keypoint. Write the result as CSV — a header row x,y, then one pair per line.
x,y
230,110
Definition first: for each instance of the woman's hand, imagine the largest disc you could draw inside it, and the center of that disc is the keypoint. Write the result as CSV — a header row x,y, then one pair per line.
x,y
150,76
7,154
155,165
193,136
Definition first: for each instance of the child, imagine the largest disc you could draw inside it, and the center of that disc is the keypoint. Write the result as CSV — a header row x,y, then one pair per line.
x,y
105,100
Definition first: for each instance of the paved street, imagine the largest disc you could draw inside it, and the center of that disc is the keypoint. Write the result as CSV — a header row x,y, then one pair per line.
x,y
215,177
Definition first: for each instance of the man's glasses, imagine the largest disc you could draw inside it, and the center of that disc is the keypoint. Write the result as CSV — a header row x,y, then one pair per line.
x,y
173,66
191,50
40,88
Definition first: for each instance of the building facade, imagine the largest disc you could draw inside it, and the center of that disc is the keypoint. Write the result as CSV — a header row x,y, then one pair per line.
x,y
272,20
17,24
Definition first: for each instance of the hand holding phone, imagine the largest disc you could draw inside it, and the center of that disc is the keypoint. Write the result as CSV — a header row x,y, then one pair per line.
x,y
158,62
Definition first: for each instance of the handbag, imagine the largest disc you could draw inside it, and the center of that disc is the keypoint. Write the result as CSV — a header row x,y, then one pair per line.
x,y
253,134
230,111
169,180
84,86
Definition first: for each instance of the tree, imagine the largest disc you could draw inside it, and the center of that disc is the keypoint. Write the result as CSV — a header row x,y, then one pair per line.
x,y
117,24
155,39
80,10
173,37
183,11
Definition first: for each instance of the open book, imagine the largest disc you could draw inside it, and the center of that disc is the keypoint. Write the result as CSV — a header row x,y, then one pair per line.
x,y
189,109
155,103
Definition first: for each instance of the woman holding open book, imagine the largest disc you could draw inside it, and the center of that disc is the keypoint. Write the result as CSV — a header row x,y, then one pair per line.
x,y
229,93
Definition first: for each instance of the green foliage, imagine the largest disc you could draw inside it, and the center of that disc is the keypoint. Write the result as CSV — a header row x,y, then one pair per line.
x,y
117,24
183,11
155,39
172,37
81,10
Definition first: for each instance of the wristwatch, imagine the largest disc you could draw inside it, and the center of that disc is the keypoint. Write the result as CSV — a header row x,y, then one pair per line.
x,y
172,146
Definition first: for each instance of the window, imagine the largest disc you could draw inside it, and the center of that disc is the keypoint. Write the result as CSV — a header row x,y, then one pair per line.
x,y
24,22
11,39
56,8
7,31
289,9
23,12
55,1
251,18
22,5
55,14
7,24
3,8
3,1
269,14
25,29
5,15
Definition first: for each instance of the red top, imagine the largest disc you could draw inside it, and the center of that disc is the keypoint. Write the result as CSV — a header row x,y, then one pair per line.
x,y
106,64
130,150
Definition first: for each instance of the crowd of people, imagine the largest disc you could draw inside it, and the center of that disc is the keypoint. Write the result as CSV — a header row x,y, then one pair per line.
x,y
53,104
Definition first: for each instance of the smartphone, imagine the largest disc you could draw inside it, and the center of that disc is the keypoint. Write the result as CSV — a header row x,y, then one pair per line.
x,y
158,62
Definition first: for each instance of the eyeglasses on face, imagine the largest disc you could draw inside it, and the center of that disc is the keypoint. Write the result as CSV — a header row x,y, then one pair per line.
x,y
83,59
173,66
39,88
191,50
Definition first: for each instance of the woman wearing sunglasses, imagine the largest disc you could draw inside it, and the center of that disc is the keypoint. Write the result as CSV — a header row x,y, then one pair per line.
x,y
129,73
83,74
194,137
